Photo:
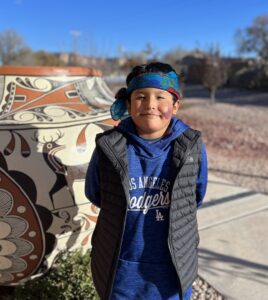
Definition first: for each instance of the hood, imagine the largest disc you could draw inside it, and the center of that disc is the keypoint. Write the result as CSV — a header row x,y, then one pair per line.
x,y
151,148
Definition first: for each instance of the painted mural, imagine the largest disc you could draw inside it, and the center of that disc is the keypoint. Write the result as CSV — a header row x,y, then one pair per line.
x,y
48,121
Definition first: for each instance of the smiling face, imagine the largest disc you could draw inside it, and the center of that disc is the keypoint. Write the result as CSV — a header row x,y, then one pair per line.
x,y
151,110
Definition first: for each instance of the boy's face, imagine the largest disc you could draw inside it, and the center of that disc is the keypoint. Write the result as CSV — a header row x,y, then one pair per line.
x,y
151,110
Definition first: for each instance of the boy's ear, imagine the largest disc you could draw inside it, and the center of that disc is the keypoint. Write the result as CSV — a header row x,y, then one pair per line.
x,y
176,106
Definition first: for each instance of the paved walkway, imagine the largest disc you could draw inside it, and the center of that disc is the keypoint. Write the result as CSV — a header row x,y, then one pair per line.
x,y
233,250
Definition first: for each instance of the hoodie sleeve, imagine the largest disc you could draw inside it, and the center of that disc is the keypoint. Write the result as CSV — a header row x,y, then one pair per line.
x,y
201,185
92,182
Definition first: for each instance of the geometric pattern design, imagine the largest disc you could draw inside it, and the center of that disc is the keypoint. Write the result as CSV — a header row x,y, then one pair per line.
x,y
20,236
48,99
49,118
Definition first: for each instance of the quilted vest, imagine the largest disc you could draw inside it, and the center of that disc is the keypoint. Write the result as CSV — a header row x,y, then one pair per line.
x,y
183,235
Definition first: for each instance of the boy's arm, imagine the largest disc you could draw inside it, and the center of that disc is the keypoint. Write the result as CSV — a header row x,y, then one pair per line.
x,y
92,182
201,185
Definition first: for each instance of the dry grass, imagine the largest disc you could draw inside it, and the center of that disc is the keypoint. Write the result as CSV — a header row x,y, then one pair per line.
x,y
236,137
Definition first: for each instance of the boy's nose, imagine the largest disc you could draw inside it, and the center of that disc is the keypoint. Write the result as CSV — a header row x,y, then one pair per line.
x,y
150,103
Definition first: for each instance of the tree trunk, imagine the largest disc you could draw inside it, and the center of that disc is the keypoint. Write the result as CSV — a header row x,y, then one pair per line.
x,y
212,95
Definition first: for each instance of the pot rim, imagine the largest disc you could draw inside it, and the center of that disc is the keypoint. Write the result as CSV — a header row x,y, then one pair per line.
x,y
49,71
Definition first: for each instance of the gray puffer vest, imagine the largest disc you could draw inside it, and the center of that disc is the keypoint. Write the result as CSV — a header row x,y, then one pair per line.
x,y
183,235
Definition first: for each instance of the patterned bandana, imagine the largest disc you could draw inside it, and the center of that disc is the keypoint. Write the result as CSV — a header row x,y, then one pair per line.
x,y
163,81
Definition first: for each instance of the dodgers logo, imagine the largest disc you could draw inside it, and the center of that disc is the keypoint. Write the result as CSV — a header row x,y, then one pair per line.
x,y
149,193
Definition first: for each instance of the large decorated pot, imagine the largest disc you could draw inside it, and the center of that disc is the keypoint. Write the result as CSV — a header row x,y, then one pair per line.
x,y
49,117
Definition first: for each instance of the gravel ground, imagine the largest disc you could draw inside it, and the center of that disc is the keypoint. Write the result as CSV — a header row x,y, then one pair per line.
x,y
237,147
203,291
236,140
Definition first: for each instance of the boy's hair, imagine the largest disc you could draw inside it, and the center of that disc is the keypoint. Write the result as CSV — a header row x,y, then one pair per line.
x,y
153,67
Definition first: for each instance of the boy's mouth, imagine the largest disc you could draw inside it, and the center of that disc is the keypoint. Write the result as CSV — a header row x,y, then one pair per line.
x,y
150,116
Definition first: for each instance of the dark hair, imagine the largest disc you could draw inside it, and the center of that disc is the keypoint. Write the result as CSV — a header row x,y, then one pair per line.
x,y
156,67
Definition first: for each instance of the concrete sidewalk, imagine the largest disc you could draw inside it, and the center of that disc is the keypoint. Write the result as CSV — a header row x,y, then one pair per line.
x,y
233,250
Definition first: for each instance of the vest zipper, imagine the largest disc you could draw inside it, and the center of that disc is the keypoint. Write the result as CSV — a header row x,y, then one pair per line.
x,y
123,229
188,150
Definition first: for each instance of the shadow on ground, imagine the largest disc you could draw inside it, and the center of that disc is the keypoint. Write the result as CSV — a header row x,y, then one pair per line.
x,y
216,264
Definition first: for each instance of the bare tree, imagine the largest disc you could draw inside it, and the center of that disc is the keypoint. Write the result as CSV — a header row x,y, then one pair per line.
x,y
213,72
24,57
132,60
150,52
74,57
175,56
254,39
12,46
42,58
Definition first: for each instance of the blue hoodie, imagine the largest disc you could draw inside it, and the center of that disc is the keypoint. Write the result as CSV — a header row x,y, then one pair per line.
x,y
145,269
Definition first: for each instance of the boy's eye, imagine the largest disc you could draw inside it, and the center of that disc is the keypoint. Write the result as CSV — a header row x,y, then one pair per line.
x,y
141,97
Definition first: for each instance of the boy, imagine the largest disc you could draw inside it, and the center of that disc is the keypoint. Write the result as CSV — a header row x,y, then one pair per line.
x,y
148,175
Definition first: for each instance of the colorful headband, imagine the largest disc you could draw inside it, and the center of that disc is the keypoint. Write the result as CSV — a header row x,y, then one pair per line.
x,y
164,81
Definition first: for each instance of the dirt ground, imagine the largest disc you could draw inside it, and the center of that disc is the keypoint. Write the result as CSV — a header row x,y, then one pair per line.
x,y
236,137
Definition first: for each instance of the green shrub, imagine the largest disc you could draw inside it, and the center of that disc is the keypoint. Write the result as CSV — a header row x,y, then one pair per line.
x,y
70,279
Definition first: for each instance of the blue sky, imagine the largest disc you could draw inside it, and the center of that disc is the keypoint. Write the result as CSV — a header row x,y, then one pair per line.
x,y
102,27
